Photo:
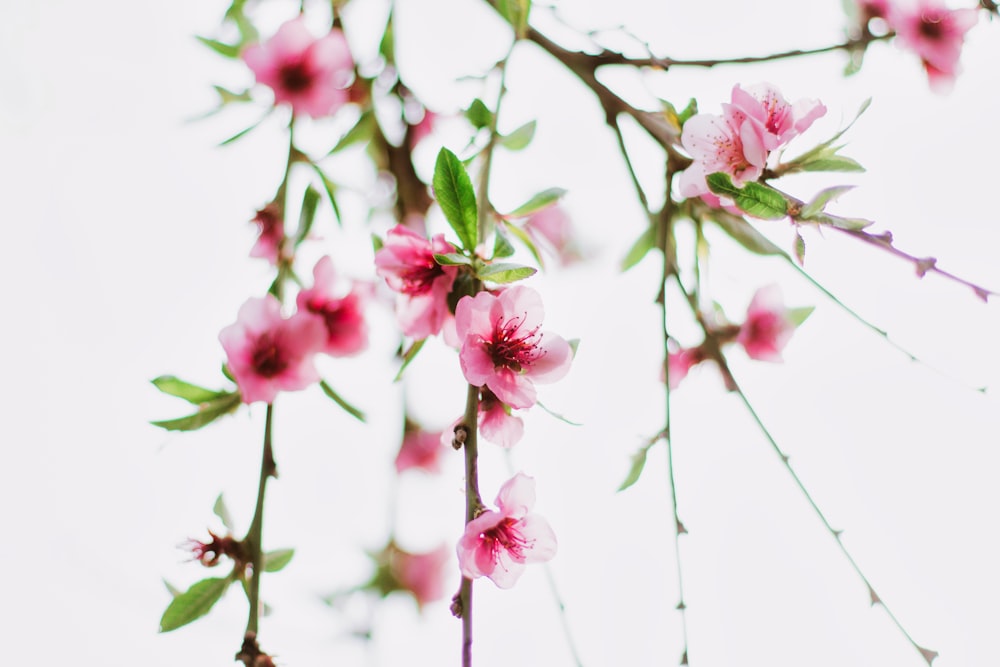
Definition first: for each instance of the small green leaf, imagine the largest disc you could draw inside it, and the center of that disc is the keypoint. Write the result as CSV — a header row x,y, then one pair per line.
x,y
307,214
516,12
208,412
744,233
721,184
347,407
409,356
227,50
503,273
452,259
690,110
479,114
191,393
454,193
275,561
239,134
528,242
173,590
220,510
227,96
362,131
852,224
799,315
194,603
387,47
639,249
501,245
377,242
800,249
519,138
638,463
331,191
537,202
832,163
824,197
762,201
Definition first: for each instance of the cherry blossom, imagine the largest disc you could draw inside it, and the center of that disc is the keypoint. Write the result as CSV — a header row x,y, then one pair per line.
x,y
773,119
209,553
406,262
421,574
496,423
767,328
343,316
502,347
936,34
270,235
681,362
498,544
552,230
268,353
421,449
307,73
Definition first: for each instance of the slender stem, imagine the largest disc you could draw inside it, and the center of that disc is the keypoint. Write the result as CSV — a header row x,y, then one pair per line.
x,y
484,179
473,504
253,539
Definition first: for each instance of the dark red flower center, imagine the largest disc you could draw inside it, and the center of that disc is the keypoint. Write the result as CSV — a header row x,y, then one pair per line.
x,y
419,278
512,348
932,25
296,76
268,358
505,536
340,315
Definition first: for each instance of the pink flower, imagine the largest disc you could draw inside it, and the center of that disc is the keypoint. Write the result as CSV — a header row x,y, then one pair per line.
x,y
767,327
422,574
406,261
496,423
424,128
716,145
271,234
873,9
773,119
936,34
309,74
681,362
499,544
209,553
268,353
502,347
420,449
552,230
343,316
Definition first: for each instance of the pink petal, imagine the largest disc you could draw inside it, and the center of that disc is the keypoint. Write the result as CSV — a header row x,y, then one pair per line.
x,y
516,496
539,533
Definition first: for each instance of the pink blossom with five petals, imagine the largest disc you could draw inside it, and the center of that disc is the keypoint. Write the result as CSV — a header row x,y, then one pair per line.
x,y
307,73
936,34
343,316
498,544
502,347
268,353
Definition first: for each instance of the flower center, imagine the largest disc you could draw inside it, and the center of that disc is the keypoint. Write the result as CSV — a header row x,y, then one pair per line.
x,y
419,278
268,358
932,25
505,536
295,77
510,348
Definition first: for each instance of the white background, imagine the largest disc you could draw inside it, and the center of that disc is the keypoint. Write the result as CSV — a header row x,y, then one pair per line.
x,y
126,249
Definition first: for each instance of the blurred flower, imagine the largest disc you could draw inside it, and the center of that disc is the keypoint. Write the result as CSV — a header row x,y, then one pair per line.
x,y
768,327
419,574
420,449
681,362
268,353
551,229
271,234
502,347
209,553
406,262
499,544
343,316
936,34
496,423
308,73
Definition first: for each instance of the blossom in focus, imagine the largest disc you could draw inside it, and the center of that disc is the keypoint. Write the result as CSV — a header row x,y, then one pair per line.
x,y
307,73
342,315
420,449
271,234
768,326
681,362
502,347
716,145
498,544
496,423
552,230
267,353
406,262
773,119
935,33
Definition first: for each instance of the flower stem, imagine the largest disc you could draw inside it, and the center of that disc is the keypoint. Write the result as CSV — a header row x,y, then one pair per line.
x,y
473,503
253,539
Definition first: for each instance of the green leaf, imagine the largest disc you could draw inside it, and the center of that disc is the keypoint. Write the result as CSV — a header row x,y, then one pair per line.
x,y
362,131
191,393
639,249
638,463
227,50
348,408
537,202
519,138
220,510
454,193
452,259
832,163
227,96
239,134
516,12
799,315
377,242
307,214
331,191
479,114
762,201
800,249
690,110
194,603
528,242
275,561
822,198
387,47
744,233
852,224
409,356
721,184
173,590
207,413
826,149
501,245
503,273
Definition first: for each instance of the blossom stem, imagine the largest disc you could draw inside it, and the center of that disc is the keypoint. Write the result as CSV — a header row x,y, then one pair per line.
x,y
484,178
473,504
253,539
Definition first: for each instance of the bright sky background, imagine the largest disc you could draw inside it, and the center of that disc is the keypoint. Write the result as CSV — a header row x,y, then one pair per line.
x,y
127,253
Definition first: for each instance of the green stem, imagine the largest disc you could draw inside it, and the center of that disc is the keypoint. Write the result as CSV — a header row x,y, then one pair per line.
x,y
253,539
482,195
